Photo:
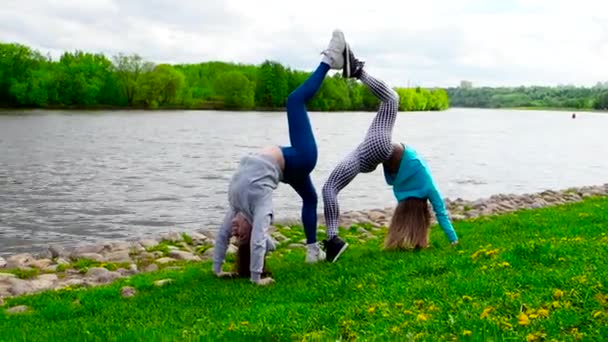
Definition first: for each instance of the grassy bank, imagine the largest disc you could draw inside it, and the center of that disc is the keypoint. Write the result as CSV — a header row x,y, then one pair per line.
x,y
531,275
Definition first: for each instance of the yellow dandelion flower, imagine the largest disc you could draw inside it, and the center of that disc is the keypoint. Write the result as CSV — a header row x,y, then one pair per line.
x,y
523,319
422,317
543,313
484,267
555,304
531,338
419,302
597,314
557,294
467,298
561,259
504,264
512,295
533,316
467,333
476,254
492,252
371,310
486,312
601,298
395,330
568,305
244,323
506,325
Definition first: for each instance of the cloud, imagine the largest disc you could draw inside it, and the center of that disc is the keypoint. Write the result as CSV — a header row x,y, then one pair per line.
x,y
427,43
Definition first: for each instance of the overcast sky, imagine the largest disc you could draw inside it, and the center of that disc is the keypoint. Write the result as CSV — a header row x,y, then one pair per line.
x,y
423,42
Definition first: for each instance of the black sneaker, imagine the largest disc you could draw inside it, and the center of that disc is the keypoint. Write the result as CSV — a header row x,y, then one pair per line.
x,y
333,248
352,66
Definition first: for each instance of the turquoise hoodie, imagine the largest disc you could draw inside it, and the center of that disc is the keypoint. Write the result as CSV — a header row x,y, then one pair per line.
x,y
413,179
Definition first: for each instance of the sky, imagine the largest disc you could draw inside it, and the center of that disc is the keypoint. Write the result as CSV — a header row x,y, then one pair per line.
x,y
428,43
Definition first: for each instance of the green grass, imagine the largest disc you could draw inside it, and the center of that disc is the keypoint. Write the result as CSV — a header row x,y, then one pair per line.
x,y
538,274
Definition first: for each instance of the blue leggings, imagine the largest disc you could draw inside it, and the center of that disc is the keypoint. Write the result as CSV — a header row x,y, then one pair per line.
x,y
301,156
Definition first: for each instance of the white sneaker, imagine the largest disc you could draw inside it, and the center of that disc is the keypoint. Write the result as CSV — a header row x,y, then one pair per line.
x,y
335,49
314,253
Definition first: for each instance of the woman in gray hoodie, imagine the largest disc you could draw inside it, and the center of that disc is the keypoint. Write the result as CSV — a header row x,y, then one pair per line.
x,y
251,187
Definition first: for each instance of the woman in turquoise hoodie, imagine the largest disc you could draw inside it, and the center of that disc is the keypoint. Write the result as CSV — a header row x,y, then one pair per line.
x,y
413,187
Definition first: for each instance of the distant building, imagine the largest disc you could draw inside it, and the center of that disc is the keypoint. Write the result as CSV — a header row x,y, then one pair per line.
x,y
466,84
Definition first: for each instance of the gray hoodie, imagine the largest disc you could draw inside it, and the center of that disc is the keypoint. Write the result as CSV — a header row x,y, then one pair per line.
x,y
250,193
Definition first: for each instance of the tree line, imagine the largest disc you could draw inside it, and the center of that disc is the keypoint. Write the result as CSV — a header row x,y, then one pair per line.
x,y
87,80
570,97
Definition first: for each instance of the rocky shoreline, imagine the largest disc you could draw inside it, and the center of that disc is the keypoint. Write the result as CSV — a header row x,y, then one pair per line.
x,y
102,263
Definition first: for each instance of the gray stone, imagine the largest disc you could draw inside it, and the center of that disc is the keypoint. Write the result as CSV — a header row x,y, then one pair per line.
x,y
51,269
163,282
157,254
17,309
91,256
280,237
375,215
96,249
73,282
210,235
151,268
101,275
457,217
198,238
118,246
2,262
127,292
145,256
20,287
58,252
209,253
136,248
40,264
148,243
164,260
173,248
62,261
19,260
181,255
5,276
44,282
172,237
118,256
232,249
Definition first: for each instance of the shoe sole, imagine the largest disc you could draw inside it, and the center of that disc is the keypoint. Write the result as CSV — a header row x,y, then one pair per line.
x,y
347,62
340,252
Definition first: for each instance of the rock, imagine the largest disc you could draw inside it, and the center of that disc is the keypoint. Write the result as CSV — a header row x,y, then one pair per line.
x,y
5,276
157,254
209,253
95,249
51,269
20,287
148,243
280,237
173,248
73,282
151,268
172,237
164,260
136,248
118,246
127,292
118,256
376,215
181,255
17,309
101,275
163,282
232,249
210,235
91,256
40,264
295,246
62,261
457,217
58,252
198,238
145,256
19,260
44,282
2,262
173,268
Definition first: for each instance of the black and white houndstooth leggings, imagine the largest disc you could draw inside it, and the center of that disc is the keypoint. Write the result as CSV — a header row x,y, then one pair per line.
x,y
375,149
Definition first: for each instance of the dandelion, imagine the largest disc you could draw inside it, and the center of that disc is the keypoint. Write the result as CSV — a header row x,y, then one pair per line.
x,y
422,317
537,336
506,325
504,264
561,259
419,303
371,310
523,319
543,313
557,294
231,327
244,323
467,298
433,307
512,295
395,330
484,267
556,305
597,314
533,316
492,252
486,312
467,333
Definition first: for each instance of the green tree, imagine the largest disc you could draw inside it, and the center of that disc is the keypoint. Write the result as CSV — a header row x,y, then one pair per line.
x,y
236,90
129,69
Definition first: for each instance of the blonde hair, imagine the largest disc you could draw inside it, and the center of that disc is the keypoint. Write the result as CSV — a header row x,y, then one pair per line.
x,y
410,225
